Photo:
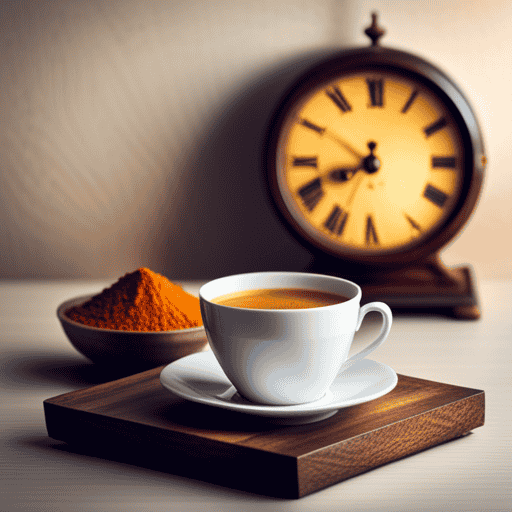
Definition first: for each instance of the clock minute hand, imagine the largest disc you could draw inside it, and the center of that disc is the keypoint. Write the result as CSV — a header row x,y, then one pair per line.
x,y
343,144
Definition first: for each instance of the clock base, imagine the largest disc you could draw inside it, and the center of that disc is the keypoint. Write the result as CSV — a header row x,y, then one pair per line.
x,y
425,287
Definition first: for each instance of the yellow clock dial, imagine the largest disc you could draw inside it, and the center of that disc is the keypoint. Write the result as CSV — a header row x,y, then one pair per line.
x,y
369,163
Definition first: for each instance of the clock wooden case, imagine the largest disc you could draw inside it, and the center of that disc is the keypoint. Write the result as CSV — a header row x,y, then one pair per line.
x,y
375,161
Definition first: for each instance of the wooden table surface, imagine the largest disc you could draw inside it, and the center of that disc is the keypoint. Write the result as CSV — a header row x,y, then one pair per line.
x,y
39,473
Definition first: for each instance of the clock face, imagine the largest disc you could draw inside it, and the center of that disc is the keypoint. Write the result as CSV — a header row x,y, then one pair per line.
x,y
369,163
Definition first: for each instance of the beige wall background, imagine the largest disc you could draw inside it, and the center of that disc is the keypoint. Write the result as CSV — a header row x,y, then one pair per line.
x,y
130,131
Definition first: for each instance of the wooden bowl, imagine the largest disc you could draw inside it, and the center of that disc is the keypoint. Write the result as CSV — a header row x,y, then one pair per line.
x,y
129,348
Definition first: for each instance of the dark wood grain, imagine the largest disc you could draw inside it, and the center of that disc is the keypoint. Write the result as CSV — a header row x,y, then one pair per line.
x,y
136,420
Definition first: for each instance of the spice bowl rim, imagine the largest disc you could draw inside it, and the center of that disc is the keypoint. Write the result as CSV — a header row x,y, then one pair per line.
x,y
134,349
80,299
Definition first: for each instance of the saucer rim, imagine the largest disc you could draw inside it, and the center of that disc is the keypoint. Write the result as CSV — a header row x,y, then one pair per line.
x,y
277,411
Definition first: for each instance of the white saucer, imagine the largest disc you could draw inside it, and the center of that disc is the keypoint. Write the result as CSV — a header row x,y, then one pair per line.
x,y
199,378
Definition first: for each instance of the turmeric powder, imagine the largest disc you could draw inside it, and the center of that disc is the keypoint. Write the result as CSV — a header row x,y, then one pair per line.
x,y
140,301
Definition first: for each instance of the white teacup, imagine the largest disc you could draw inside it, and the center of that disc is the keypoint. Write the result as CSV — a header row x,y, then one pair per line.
x,y
286,356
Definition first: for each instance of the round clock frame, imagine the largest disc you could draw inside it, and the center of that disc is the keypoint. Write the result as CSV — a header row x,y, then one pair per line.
x,y
423,252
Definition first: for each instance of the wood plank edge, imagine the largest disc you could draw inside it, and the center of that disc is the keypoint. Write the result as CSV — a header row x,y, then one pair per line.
x,y
204,459
390,443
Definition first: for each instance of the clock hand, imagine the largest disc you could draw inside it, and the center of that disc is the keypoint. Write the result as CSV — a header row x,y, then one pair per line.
x,y
354,189
343,174
343,144
370,164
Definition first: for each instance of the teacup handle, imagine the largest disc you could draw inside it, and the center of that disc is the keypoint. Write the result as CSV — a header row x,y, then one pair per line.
x,y
387,319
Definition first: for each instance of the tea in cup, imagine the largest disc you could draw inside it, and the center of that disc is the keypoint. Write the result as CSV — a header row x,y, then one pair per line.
x,y
281,338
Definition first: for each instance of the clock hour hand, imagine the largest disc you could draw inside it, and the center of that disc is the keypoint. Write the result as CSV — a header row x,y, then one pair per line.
x,y
343,174
370,164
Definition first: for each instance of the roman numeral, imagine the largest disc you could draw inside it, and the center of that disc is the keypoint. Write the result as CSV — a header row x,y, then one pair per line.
x,y
434,195
444,161
412,222
311,193
305,161
337,96
435,126
312,126
376,91
336,221
410,101
371,233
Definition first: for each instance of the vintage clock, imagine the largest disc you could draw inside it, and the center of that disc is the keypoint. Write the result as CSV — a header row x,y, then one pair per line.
x,y
375,162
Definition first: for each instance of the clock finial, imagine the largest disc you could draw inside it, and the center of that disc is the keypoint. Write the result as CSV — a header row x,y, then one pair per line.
x,y
374,32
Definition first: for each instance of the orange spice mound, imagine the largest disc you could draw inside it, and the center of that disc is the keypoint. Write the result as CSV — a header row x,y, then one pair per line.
x,y
140,301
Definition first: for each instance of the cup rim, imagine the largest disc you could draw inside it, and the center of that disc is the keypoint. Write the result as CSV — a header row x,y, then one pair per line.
x,y
356,297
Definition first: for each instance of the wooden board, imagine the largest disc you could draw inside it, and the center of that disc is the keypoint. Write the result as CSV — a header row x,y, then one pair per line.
x,y
136,420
